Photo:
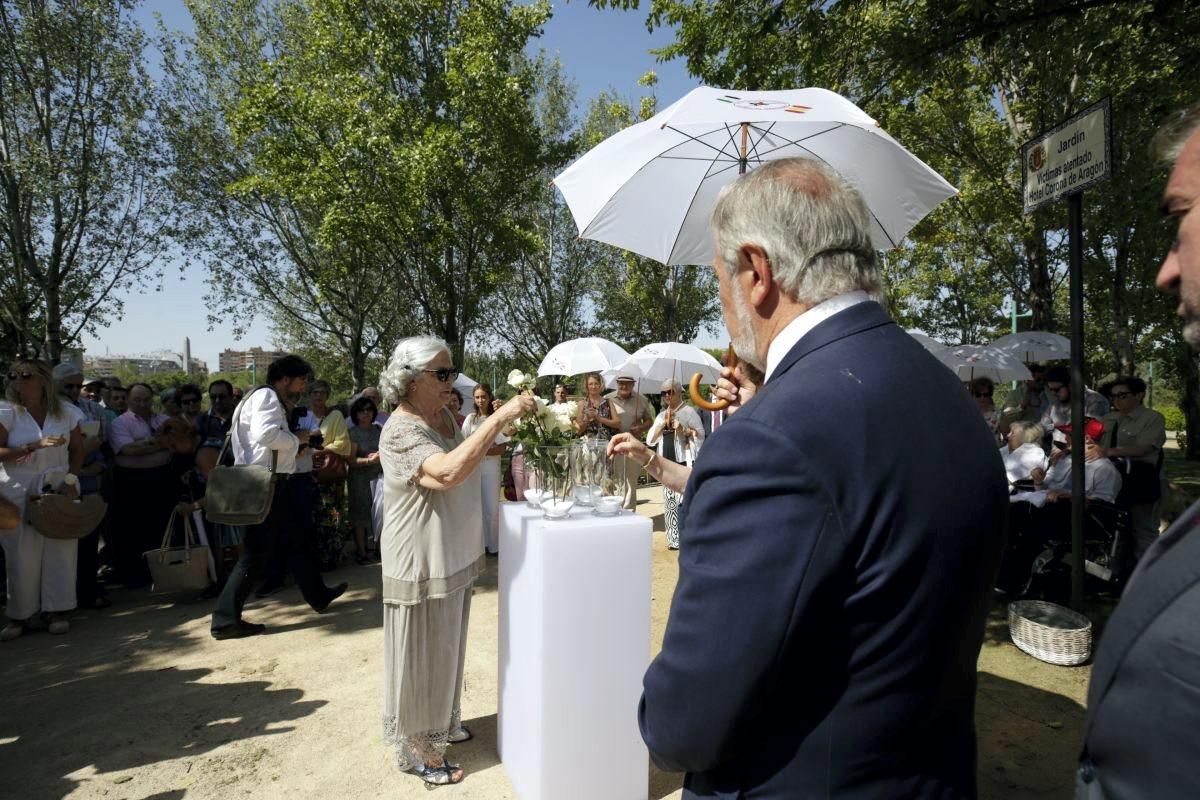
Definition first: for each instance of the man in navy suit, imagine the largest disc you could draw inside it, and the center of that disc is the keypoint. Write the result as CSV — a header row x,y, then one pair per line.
x,y
842,530
1142,734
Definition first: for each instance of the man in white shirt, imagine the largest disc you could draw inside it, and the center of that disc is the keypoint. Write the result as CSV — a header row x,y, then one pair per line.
x,y
633,409
260,436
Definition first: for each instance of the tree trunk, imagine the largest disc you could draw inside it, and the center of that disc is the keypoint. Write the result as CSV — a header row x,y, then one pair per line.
x,y
1122,347
1041,292
52,351
1189,401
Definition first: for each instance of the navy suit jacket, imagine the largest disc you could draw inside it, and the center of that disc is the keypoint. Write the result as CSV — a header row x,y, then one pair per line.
x,y
840,536
1142,735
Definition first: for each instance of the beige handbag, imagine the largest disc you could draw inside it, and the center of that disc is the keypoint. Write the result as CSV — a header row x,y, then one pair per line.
x,y
56,516
241,494
179,569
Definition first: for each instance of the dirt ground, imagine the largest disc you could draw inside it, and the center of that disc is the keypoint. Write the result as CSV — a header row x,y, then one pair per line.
x,y
139,703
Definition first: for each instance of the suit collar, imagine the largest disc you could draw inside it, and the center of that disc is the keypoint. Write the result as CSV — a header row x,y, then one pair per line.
x,y
1174,561
847,322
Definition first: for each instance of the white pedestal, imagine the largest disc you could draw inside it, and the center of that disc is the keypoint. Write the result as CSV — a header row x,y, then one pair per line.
x,y
574,645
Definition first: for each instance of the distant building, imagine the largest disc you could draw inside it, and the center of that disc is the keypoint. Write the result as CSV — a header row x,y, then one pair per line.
x,y
255,358
145,364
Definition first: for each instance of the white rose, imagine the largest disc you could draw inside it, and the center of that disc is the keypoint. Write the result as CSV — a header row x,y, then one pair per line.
x,y
517,379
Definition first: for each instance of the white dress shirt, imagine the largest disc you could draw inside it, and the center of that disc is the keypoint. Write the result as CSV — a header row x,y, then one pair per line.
x,y
261,428
794,331
1025,459
1101,480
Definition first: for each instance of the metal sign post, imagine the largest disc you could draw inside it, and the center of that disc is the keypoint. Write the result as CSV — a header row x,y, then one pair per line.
x,y
1064,161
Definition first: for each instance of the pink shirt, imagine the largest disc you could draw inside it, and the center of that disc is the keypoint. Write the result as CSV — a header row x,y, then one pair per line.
x,y
129,428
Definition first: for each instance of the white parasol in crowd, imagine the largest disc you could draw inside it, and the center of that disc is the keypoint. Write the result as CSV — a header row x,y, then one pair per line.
x,y
928,342
1031,346
650,188
465,385
576,356
971,361
672,360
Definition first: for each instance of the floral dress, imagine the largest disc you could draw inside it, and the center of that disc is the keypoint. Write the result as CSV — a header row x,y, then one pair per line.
x,y
597,429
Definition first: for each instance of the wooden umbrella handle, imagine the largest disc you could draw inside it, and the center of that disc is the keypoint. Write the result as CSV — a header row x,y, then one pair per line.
x,y
731,361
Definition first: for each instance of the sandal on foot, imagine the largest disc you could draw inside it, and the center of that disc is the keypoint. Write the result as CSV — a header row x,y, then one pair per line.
x,y
463,734
439,776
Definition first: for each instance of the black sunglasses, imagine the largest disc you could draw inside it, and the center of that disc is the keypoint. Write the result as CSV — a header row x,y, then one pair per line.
x,y
70,385
187,401
1061,445
445,374
983,394
1121,395
24,376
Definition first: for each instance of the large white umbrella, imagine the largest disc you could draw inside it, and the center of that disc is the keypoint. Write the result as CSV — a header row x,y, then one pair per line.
x,y
973,361
650,188
928,342
1035,346
464,384
673,360
576,356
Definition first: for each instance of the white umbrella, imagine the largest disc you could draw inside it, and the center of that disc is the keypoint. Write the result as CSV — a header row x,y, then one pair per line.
x,y
1035,346
928,342
464,384
973,361
576,356
673,360
651,187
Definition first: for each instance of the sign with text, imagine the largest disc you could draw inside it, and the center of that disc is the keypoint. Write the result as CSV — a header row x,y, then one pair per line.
x,y
1068,158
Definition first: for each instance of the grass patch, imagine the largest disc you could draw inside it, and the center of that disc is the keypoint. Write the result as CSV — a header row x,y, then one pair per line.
x,y
1183,473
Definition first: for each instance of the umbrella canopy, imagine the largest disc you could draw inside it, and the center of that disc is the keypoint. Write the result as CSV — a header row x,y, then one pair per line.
x,y
673,360
928,342
651,187
973,361
464,384
1035,346
576,356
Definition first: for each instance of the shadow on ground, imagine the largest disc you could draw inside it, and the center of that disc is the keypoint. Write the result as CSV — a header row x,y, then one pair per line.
x,y
100,685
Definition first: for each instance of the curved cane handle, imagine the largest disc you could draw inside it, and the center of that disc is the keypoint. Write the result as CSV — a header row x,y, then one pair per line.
x,y
731,361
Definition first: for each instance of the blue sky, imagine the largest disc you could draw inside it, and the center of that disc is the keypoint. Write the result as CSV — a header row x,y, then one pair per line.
x,y
599,50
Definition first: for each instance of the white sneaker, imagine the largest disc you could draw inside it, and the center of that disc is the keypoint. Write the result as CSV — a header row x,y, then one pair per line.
x,y
12,630
58,626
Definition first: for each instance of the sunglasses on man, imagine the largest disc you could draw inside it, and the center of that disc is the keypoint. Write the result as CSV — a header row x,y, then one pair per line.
x,y
983,394
72,385
445,374
1121,395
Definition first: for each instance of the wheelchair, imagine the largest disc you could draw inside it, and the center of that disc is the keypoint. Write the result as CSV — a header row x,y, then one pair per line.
x,y
1107,534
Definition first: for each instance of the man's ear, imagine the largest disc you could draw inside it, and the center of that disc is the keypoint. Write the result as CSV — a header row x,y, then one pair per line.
x,y
755,268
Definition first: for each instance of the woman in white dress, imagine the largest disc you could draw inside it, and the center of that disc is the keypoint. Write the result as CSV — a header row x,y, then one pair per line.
x,y
40,442
677,434
489,470
432,551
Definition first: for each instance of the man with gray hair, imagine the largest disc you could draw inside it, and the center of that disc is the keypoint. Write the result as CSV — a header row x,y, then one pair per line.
x,y
1142,733
824,633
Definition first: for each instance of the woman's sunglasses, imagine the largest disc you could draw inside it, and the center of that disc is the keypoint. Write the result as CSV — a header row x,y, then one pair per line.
x,y
445,374
24,376
983,394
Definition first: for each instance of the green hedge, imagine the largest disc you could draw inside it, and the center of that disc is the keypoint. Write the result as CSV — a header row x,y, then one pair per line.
x,y
1174,417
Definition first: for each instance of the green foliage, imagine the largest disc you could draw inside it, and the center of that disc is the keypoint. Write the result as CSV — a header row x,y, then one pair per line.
x,y
83,211
1173,416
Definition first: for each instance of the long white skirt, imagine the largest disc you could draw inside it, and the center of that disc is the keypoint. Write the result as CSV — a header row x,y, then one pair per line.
x,y
489,471
424,655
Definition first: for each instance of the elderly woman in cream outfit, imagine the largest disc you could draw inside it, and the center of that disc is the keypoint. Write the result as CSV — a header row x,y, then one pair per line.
x,y
432,551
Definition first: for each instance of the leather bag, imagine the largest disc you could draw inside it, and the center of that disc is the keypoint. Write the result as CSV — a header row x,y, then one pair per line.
x,y
241,494
179,569
332,469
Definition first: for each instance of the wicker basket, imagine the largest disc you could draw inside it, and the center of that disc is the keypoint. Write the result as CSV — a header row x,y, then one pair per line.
x,y
1050,632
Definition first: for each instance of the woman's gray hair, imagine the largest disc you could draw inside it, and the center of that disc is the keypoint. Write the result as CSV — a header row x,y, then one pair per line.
x,y
1027,432
812,223
408,359
1174,134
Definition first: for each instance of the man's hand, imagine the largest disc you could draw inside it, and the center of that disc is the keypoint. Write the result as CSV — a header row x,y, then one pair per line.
x,y
1054,495
1038,474
1092,452
735,387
